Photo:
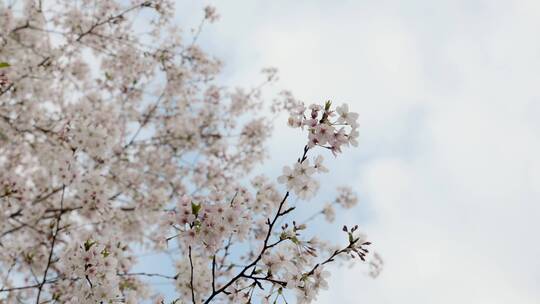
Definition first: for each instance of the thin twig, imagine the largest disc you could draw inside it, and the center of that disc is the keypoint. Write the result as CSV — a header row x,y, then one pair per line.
x,y
214,273
40,287
191,277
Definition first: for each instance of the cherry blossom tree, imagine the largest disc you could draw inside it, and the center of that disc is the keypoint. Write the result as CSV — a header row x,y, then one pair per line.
x,y
117,139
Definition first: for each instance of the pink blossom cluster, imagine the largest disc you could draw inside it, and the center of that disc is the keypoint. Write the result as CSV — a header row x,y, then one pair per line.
x,y
346,199
206,225
92,269
326,129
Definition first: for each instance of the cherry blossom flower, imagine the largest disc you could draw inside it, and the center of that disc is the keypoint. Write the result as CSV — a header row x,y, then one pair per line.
x,y
289,177
307,189
319,167
329,213
347,117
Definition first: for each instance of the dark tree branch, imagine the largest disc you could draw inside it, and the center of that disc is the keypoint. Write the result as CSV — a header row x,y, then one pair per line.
x,y
266,246
191,277
55,234
214,273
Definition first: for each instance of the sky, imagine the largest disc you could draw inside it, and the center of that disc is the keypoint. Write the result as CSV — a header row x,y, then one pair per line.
x,y
447,169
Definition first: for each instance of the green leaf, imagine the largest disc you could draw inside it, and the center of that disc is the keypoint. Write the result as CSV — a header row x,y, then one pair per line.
x,y
4,65
195,208
29,256
327,105
88,244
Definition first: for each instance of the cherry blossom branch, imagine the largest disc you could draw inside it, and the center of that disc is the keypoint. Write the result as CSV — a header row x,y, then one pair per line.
x,y
11,231
265,247
225,253
256,279
27,287
313,216
241,274
213,273
191,277
112,18
145,121
352,246
55,234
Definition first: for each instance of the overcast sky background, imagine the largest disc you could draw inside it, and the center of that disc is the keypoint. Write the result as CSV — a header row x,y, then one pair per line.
x,y
448,167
